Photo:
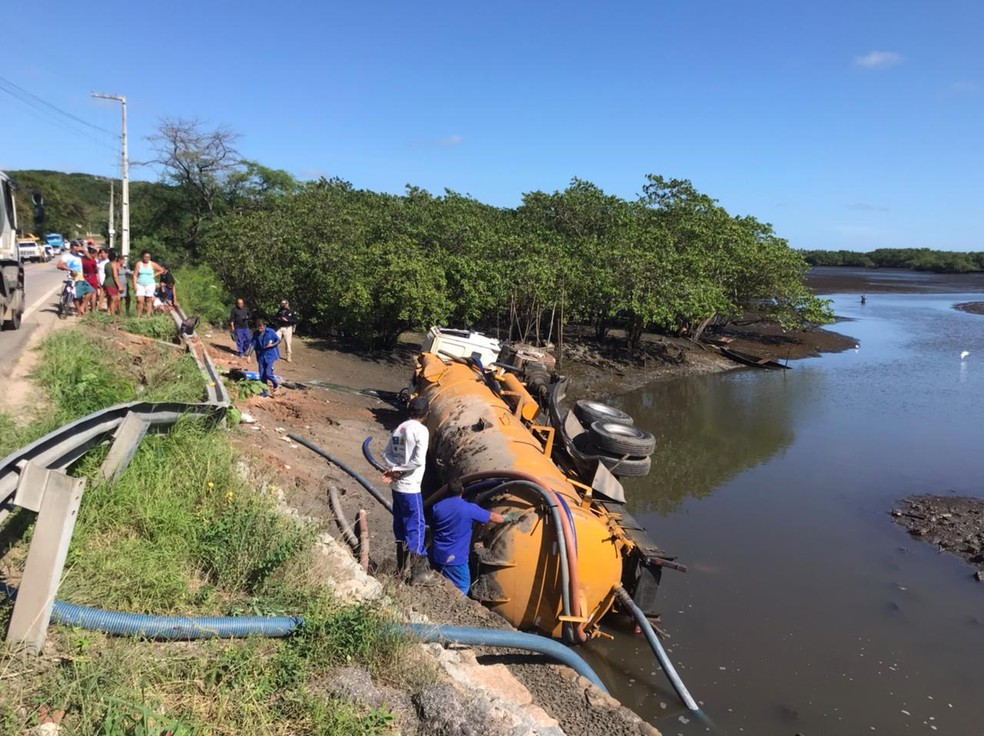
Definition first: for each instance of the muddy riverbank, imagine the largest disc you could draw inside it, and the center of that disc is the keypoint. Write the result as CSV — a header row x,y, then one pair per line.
x,y
951,523
970,307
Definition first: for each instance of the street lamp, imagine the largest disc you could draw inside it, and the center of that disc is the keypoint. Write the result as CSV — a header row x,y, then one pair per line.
x,y
125,204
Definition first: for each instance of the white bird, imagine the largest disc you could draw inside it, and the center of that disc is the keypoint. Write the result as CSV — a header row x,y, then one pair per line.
x,y
964,354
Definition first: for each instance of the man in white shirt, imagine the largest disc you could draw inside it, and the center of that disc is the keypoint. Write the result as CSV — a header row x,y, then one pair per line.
x,y
405,456
71,262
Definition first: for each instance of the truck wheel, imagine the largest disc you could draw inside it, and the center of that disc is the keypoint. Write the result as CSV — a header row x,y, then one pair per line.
x,y
621,439
630,467
590,412
13,322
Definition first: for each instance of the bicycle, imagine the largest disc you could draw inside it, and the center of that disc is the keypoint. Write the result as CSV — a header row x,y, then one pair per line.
x,y
66,302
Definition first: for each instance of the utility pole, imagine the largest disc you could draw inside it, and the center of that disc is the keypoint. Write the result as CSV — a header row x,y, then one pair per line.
x,y
112,218
125,203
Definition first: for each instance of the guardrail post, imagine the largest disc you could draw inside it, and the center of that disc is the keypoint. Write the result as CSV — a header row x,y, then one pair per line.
x,y
128,436
59,509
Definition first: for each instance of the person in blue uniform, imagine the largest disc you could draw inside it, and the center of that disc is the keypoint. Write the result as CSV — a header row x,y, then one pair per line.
x,y
451,521
265,343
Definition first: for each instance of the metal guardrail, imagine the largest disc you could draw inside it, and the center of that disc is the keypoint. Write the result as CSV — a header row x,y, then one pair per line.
x,y
33,478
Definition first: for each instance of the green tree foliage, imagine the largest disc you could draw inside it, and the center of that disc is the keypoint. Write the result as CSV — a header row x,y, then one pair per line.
x,y
917,259
367,266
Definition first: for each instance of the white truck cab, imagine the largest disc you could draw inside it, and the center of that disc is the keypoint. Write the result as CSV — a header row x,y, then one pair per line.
x,y
11,267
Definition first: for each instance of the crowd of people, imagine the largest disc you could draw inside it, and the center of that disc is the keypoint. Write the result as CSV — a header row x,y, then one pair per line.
x,y
103,280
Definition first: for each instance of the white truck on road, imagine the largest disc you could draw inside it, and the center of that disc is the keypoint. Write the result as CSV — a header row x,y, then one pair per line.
x,y
11,267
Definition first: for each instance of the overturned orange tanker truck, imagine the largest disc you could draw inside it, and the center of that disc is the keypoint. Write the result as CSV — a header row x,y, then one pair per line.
x,y
497,424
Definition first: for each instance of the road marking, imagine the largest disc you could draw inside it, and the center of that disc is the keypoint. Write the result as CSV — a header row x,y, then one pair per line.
x,y
40,302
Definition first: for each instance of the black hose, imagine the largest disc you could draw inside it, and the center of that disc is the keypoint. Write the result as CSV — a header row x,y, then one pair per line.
x,y
370,458
626,600
335,461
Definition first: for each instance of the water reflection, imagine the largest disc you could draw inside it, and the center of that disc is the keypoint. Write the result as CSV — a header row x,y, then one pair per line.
x,y
805,609
710,428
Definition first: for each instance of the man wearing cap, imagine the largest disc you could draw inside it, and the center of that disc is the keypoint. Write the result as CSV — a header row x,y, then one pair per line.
x,y
405,456
285,327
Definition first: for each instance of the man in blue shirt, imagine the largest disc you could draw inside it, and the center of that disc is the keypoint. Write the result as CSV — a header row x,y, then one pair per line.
x,y
451,521
265,343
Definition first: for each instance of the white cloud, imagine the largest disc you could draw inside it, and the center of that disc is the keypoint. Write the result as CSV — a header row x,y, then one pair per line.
x,y
447,141
963,87
878,60
451,140
313,173
866,207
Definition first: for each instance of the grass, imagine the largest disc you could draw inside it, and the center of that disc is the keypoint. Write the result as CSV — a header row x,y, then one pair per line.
x,y
182,531
157,326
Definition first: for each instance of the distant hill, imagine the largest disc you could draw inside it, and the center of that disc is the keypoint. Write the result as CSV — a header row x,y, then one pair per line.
x,y
75,204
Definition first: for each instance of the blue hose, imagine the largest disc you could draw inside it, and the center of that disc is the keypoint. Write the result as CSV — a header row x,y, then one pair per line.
x,y
504,638
186,628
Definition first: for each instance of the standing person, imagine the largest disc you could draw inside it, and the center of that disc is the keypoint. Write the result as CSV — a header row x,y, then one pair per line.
x,y
144,284
265,342
90,272
405,456
101,260
451,531
71,261
239,319
167,285
285,326
111,282
126,275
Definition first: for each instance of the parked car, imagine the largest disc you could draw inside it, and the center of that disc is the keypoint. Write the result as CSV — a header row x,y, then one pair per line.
x,y
30,250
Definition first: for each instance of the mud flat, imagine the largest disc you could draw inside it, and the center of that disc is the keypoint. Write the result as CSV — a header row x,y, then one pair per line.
x,y
952,523
971,307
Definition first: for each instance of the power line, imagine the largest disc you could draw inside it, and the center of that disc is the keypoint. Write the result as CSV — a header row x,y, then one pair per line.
x,y
22,94
42,111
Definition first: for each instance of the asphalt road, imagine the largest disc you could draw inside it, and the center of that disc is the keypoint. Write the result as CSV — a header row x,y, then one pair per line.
x,y
41,285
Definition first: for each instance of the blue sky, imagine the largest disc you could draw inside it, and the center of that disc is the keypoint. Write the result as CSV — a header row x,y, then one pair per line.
x,y
844,124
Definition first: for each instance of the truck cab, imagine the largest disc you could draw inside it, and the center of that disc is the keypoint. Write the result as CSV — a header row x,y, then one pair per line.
x,y
55,241
11,267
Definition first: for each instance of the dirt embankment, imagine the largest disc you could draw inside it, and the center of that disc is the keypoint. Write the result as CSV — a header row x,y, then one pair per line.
x,y
952,523
338,419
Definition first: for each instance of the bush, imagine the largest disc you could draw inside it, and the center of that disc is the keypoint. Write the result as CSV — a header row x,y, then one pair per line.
x,y
200,293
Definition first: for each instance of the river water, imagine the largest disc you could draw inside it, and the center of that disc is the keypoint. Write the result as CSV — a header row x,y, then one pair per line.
x,y
805,609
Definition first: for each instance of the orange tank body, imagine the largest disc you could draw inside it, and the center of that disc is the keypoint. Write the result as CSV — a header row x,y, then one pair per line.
x,y
474,430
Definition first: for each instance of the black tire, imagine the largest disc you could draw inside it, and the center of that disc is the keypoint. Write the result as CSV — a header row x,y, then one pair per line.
x,y
14,322
630,467
590,412
613,438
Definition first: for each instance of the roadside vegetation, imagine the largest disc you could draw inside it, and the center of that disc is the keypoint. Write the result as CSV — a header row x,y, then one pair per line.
x,y
917,259
187,529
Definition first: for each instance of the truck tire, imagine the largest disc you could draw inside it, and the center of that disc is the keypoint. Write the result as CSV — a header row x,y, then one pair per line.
x,y
13,321
590,412
629,467
613,438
